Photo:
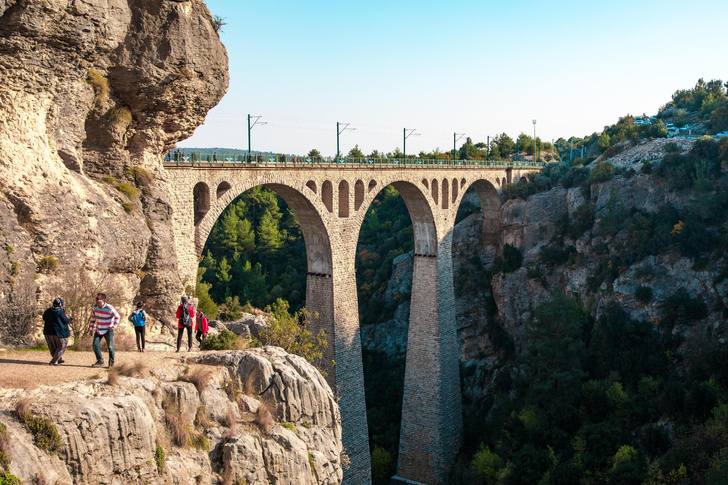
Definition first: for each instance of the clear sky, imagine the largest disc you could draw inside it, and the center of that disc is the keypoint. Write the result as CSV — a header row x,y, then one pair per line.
x,y
443,67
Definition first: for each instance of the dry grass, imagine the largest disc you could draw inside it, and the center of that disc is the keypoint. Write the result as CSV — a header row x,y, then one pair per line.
x,y
264,418
112,379
22,409
248,385
230,419
127,370
202,420
179,431
231,388
200,377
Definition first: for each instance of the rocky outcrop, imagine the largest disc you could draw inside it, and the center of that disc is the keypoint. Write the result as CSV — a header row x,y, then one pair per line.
x,y
118,433
92,92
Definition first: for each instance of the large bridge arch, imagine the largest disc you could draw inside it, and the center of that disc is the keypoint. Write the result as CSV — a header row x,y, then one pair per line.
x,y
307,211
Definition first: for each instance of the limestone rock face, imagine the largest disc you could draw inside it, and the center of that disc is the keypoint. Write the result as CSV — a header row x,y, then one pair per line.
x,y
89,91
111,433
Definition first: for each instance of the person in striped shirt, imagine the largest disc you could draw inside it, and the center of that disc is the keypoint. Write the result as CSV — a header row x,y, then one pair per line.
x,y
104,319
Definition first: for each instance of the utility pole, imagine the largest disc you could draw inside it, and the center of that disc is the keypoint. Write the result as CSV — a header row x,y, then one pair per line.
x,y
571,152
455,138
404,141
250,127
534,140
487,149
339,131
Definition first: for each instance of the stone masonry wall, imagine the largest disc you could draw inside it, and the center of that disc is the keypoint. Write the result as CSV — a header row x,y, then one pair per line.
x,y
330,204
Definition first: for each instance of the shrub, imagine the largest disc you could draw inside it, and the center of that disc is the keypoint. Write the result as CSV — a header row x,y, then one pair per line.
x,y
77,287
18,315
576,176
231,309
218,23
512,259
128,207
672,147
291,332
6,478
128,190
201,442
551,256
100,85
583,220
643,294
109,180
486,465
601,173
141,175
4,447
382,465
159,458
225,340
44,432
681,308
120,117
47,264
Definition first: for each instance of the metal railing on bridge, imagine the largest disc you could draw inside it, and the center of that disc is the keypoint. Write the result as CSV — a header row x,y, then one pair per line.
x,y
243,161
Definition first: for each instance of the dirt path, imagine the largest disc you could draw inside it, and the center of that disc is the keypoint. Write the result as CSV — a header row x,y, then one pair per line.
x,y
30,369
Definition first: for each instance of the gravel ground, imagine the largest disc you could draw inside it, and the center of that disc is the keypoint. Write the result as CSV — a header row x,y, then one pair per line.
x,y
30,369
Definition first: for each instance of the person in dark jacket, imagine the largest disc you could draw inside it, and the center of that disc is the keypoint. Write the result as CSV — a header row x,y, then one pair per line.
x,y
56,331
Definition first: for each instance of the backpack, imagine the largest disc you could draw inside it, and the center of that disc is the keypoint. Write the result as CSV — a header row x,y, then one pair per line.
x,y
138,319
186,319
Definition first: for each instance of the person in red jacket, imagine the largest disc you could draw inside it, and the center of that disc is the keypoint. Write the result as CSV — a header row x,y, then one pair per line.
x,y
202,327
185,317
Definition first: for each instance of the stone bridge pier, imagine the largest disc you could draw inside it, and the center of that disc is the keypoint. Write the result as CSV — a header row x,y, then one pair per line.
x,y
330,205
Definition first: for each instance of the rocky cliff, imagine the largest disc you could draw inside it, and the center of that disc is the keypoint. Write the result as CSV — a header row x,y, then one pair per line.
x,y
259,416
565,246
93,93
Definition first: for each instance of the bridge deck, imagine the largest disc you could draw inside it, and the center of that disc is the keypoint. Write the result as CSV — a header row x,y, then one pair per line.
x,y
357,163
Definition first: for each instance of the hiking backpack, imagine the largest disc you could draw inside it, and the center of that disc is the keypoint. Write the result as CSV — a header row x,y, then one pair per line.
x,y
186,318
138,319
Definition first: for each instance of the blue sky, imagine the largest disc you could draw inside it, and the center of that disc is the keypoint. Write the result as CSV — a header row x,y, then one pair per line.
x,y
478,68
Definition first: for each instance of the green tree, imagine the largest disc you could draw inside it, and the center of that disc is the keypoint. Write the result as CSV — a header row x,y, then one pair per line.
x,y
269,237
554,362
314,153
355,152
468,150
506,145
525,143
603,142
202,292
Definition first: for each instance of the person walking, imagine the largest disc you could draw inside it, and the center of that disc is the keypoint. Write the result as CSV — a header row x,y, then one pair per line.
x,y
139,318
185,315
103,322
56,331
202,327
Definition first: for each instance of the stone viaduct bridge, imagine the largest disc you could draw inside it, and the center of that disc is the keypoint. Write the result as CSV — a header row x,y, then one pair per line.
x,y
330,202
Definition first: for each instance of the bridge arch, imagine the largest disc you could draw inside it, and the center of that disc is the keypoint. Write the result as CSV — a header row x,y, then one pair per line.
x,y
201,198
313,228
